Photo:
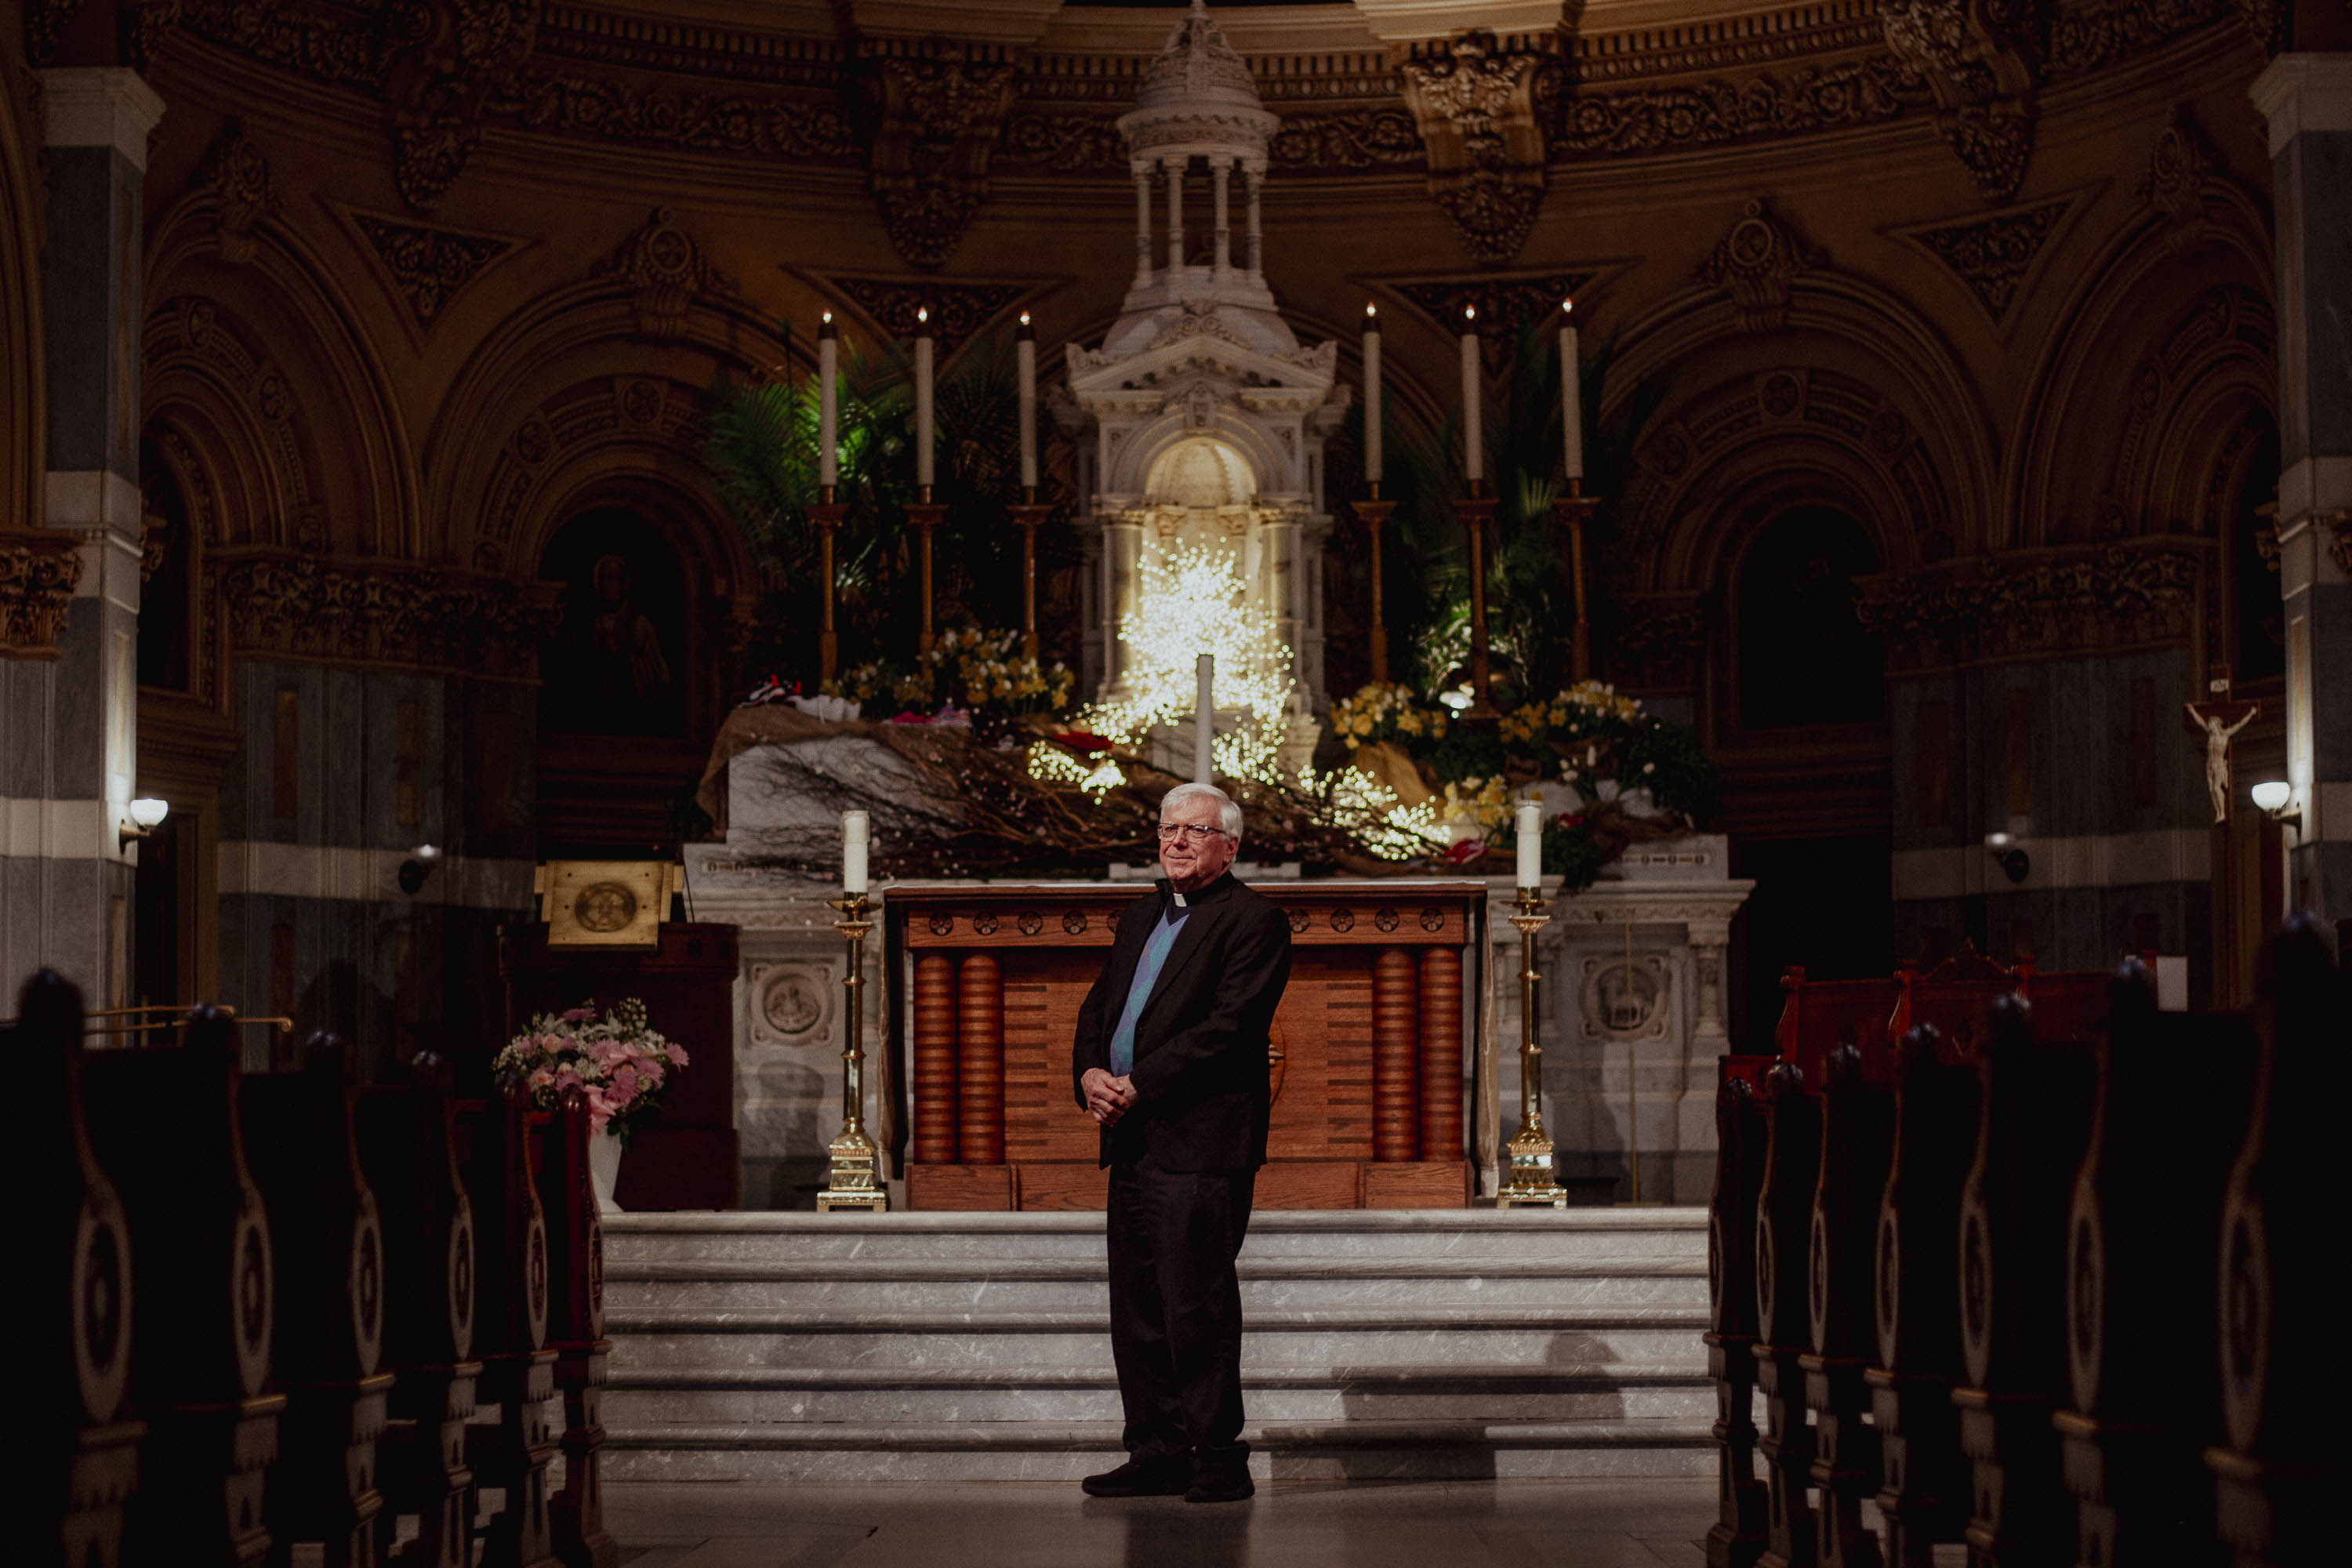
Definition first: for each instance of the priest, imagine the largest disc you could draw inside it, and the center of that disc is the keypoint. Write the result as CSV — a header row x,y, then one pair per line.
x,y
1170,1062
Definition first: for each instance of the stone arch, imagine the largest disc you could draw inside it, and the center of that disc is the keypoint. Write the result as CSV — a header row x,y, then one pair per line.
x,y
568,396
2182,300
1852,398
247,325
22,429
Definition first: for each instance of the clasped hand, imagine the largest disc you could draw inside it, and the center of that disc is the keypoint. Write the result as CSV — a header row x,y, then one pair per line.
x,y
1107,1098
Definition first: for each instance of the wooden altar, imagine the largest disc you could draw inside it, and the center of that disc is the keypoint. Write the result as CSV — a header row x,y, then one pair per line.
x,y
1368,1087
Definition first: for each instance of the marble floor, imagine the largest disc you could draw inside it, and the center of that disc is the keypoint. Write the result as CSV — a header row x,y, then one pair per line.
x,y
1594,1524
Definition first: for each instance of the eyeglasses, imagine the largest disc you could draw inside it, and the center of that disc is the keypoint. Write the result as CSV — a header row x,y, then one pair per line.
x,y
1193,832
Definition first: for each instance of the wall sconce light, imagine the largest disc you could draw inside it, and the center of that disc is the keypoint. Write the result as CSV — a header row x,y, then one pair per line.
x,y
417,867
147,814
2013,861
2270,796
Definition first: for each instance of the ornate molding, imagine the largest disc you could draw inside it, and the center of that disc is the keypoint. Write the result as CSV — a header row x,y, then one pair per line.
x,y
1507,302
368,612
2038,604
428,266
937,116
1659,642
1475,105
444,60
1345,140
1980,58
668,272
958,310
238,175
1754,264
38,575
1636,121
1993,255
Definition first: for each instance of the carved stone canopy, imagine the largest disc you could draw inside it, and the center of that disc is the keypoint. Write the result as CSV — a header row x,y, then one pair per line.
x,y
1198,98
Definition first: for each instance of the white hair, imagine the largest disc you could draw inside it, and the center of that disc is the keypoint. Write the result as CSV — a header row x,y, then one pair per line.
x,y
1229,815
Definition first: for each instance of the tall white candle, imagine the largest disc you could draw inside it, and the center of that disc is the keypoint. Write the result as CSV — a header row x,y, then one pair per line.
x,y
1205,717
1372,454
1528,819
1572,395
1474,434
855,829
925,464
1025,348
828,364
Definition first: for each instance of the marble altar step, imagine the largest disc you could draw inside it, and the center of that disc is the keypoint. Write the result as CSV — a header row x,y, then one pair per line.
x,y
934,1346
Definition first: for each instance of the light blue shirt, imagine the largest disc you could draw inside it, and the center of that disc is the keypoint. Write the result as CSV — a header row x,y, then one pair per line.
x,y
1147,972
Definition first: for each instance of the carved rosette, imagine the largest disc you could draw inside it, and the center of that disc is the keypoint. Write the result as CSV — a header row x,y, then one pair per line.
x,y
665,267
1980,58
1475,105
1756,263
444,59
937,120
306,607
238,175
38,575
2069,600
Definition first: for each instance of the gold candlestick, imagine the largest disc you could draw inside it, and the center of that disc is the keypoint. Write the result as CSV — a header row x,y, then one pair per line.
x,y
1477,509
1026,516
1532,1183
1372,513
826,517
853,1182
923,516
1576,508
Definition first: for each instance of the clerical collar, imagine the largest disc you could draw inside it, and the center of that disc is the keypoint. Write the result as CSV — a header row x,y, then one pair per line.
x,y
1179,897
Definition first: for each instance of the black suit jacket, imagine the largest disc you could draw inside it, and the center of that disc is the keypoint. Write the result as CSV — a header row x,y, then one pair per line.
x,y
1201,1079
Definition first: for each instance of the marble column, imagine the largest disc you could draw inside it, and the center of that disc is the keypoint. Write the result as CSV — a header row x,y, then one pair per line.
x,y
71,767
2307,100
1254,179
1142,173
1175,167
1221,174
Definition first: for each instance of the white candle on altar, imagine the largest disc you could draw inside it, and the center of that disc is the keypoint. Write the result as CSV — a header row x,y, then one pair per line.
x,y
856,827
1530,822
925,466
828,363
1571,394
1474,434
1025,348
1372,454
1205,719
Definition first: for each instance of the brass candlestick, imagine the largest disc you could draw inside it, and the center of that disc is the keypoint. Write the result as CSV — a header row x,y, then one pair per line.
x,y
923,516
1372,513
1026,516
826,517
1532,1183
852,1182
1576,508
1477,509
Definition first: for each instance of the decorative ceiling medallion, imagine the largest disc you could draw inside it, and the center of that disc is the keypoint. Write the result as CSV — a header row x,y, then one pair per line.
x,y
1994,255
666,267
428,265
1754,264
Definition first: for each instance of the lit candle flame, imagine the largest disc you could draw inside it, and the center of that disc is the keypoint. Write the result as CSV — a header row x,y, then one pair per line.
x,y
1469,312
922,315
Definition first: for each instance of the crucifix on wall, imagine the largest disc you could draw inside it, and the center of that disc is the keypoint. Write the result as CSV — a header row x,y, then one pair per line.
x,y
2216,722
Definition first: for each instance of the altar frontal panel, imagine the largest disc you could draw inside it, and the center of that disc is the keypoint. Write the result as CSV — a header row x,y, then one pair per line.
x,y
1367,1046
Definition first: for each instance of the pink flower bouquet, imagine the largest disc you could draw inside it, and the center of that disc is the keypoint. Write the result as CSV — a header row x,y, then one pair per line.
x,y
622,1066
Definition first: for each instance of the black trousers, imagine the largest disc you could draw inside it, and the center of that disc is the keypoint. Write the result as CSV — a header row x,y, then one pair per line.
x,y
1176,1306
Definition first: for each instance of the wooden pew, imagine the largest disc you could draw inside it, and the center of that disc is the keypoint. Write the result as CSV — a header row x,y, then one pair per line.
x,y
407,1135
2033,1126
328,1312
575,1329
1736,1537
1924,1487
2142,1277
1783,1330
164,1124
511,1450
1857,1146
1817,1016
2284,1464
80,1456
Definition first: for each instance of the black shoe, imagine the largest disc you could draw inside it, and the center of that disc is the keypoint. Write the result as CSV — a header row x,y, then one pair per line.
x,y
1222,1478
1142,1477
